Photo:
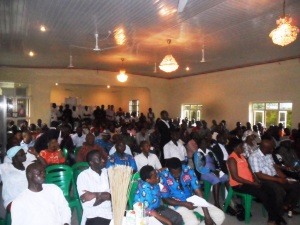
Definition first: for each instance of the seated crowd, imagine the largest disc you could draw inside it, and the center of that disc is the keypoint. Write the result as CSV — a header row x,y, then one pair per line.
x,y
173,158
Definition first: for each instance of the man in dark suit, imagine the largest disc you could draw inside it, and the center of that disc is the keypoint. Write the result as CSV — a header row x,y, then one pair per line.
x,y
164,127
221,152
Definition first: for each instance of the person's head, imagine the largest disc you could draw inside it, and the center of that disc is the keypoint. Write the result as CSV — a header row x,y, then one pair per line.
x,y
255,128
266,146
106,135
90,139
202,143
65,131
287,131
237,145
175,167
248,126
35,174
86,107
27,137
238,124
174,133
67,106
79,131
60,108
204,123
148,174
95,160
280,126
199,124
74,108
221,139
145,147
164,115
214,122
96,131
248,136
18,135
54,105
53,145
150,110
120,146
16,154
39,122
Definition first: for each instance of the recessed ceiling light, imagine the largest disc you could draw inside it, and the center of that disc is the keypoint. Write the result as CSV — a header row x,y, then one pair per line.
x,y
56,84
43,28
31,53
108,86
187,68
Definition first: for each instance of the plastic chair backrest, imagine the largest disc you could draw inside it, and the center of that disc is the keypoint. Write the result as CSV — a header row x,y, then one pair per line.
x,y
76,150
61,175
66,153
133,186
78,168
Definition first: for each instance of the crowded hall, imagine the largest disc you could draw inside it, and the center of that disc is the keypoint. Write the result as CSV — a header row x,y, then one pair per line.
x,y
157,112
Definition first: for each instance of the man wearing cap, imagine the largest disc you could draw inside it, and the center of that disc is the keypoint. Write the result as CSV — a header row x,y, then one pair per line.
x,y
13,174
249,145
105,141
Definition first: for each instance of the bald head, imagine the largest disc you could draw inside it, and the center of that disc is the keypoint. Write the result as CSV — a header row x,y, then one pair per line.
x,y
35,174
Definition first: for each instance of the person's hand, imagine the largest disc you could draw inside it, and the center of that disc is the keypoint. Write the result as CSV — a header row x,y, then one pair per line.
x,y
189,205
32,151
87,196
168,222
281,180
105,196
208,221
256,184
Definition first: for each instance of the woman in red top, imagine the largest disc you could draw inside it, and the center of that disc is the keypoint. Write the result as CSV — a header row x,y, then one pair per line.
x,y
243,180
53,155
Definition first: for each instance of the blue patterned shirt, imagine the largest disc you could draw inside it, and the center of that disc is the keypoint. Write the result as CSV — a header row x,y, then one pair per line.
x,y
183,190
150,195
127,160
106,145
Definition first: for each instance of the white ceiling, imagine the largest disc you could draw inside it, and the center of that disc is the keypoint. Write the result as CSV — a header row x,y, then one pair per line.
x,y
235,33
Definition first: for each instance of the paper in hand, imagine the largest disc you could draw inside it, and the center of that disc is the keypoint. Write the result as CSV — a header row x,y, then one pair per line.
x,y
197,201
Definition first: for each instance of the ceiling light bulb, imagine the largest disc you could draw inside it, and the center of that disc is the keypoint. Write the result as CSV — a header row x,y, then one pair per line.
x,y
31,53
108,86
56,84
122,77
43,28
187,68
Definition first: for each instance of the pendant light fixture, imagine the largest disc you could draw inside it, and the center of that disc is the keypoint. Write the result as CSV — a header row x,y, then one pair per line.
x,y
122,77
168,64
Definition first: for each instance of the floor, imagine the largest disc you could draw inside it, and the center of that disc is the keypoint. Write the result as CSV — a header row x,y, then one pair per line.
x,y
256,219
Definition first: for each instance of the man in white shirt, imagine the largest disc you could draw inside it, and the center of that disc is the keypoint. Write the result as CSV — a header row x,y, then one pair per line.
x,y
40,203
94,191
79,137
147,158
175,148
26,143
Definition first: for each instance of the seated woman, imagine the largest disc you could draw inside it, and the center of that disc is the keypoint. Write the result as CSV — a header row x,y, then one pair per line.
x,y
243,180
204,161
53,155
13,174
150,194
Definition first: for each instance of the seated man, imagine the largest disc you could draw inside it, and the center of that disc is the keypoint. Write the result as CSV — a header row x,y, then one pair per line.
x,y
94,191
88,146
105,142
263,166
181,182
115,139
149,193
175,148
120,157
40,203
147,158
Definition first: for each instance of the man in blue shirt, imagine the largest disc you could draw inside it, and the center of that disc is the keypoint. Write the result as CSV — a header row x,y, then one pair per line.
x,y
121,158
150,193
181,181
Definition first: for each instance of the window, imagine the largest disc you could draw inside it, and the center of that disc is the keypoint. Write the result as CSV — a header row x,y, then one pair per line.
x,y
191,111
134,106
269,113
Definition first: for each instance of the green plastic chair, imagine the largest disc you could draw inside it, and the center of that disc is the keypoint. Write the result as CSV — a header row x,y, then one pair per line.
x,y
207,188
76,150
247,201
134,184
77,169
62,176
2,221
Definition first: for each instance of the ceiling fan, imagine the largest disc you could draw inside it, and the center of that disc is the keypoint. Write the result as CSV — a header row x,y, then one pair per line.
x,y
181,5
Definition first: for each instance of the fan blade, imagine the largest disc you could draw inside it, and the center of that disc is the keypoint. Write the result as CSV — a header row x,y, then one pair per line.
x,y
181,5
103,49
76,46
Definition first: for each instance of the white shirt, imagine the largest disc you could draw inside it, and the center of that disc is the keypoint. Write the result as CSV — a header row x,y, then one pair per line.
x,y
78,141
91,181
225,153
14,182
171,150
47,207
152,160
29,157
139,137
53,114
113,150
